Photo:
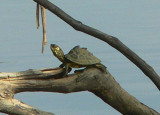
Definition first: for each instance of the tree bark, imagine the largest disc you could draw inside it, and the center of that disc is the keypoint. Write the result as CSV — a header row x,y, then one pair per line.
x,y
99,83
113,41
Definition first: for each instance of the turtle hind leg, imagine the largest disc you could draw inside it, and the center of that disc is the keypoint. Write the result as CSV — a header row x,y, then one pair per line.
x,y
101,67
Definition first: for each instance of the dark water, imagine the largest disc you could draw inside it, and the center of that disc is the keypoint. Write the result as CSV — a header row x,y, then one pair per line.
x,y
136,23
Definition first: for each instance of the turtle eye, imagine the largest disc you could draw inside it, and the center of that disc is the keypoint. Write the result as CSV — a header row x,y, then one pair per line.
x,y
57,48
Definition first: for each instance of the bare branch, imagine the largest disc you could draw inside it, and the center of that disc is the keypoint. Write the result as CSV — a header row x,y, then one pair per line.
x,y
9,85
15,107
91,79
113,41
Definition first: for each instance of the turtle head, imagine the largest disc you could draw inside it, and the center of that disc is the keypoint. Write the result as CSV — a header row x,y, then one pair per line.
x,y
56,50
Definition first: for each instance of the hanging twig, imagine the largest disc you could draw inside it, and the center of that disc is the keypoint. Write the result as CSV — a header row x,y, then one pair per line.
x,y
43,16
37,15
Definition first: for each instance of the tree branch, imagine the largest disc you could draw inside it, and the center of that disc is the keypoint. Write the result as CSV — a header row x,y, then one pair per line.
x,y
92,79
9,85
15,107
113,41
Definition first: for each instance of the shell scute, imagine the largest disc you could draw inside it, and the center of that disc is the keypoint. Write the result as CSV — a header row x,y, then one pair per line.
x,y
81,56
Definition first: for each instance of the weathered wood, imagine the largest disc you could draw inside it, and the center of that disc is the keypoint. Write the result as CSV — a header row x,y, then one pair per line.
x,y
15,107
113,41
9,86
100,83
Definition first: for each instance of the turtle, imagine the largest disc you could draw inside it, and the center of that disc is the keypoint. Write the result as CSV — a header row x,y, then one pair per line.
x,y
76,58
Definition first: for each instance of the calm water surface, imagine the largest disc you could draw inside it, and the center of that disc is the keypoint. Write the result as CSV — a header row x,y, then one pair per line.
x,y
136,23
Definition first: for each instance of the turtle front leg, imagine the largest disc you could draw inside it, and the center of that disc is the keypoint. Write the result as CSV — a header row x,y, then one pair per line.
x,y
67,69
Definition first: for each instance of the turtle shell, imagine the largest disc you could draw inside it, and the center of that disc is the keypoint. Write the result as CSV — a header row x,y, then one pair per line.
x,y
81,56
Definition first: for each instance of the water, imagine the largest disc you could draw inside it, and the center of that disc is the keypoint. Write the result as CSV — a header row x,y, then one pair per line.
x,y
135,23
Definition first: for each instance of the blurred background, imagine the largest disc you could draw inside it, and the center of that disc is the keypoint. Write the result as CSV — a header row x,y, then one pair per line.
x,y
136,23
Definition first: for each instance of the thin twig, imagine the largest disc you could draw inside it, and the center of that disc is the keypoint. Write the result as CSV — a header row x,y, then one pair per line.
x,y
37,15
43,14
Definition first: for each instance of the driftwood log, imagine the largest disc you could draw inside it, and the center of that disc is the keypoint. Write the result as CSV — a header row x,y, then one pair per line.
x,y
93,80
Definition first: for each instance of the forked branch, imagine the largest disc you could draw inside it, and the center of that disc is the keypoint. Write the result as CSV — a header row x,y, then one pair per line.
x,y
92,79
